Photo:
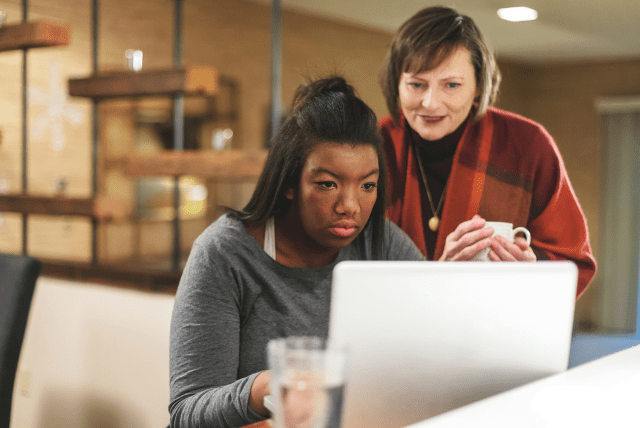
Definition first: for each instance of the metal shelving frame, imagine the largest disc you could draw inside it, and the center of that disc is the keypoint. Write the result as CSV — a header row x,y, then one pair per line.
x,y
178,116
178,123
25,106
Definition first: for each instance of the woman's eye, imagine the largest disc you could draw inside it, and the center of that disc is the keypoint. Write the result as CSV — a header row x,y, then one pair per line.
x,y
452,85
370,186
326,184
415,85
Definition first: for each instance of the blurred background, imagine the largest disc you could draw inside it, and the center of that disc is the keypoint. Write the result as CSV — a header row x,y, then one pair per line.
x,y
96,350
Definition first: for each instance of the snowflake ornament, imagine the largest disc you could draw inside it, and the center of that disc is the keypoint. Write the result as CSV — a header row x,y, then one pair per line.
x,y
56,109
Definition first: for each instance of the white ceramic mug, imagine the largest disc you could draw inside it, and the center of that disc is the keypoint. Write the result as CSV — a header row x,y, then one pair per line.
x,y
507,231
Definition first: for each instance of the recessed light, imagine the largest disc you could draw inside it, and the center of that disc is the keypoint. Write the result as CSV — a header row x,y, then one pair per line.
x,y
517,14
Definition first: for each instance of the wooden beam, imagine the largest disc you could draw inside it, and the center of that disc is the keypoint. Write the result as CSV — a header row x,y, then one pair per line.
x,y
100,207
46,205
34,34
189,80
120,274
224,165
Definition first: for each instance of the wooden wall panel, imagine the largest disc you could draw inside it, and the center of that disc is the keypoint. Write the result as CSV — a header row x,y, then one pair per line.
x,y
236,35
10,123
233,36
61,237
59,130
155,238
11,129
117,241
51,119
59,127
145,25
513,95
317,48
10,233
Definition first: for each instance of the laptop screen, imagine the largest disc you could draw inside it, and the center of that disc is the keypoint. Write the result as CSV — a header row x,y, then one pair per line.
x,y
428,337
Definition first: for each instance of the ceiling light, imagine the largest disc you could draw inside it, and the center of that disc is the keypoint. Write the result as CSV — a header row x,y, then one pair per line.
x,y
517,14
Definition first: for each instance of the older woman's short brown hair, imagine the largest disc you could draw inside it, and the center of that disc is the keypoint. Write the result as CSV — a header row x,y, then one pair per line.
x,y
427,39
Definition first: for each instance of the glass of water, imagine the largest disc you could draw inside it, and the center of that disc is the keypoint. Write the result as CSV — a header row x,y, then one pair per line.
x,y
307,382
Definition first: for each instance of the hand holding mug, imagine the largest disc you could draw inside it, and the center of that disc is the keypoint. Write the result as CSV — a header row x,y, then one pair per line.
x,y
469,239
506,245
517,251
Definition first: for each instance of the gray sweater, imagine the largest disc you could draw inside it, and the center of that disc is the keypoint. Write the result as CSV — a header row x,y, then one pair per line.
x,y
232,299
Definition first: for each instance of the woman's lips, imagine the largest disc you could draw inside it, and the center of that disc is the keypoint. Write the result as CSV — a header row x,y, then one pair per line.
x,y
343,229
432,119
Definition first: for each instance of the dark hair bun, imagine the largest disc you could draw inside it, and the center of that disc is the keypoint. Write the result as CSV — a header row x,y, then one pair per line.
x,y
332,84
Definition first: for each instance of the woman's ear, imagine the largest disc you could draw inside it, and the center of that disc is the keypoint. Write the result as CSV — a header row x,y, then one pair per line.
x,y
290,193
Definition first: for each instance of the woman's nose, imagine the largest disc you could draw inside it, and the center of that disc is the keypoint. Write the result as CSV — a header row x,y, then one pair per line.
x,y
347,203
430,98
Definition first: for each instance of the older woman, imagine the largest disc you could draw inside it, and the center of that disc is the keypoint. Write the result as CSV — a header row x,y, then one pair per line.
x,y
455,161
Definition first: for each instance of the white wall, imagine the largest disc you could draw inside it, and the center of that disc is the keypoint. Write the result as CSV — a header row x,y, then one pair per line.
x,y
93,356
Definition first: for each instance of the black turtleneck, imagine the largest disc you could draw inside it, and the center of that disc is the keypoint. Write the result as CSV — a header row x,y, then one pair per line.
x,y
437,158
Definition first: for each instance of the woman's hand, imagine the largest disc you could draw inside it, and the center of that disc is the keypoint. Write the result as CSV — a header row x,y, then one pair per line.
x,y
503,250
259,390
469,238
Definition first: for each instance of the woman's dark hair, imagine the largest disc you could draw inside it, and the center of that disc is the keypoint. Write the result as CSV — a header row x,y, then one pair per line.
x,y
325,110
428,38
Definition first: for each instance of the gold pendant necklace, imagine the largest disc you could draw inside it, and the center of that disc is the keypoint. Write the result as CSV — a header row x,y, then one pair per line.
x,y
434,222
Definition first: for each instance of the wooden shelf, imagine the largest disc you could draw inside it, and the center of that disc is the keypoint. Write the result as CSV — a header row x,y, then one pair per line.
x,y
102,208
189,80
224,165
132,274
34,34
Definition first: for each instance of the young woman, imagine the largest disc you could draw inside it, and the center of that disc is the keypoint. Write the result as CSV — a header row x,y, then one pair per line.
x,y
455,161
265,272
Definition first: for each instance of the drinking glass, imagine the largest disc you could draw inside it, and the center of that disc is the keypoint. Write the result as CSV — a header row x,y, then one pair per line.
x,y
307,382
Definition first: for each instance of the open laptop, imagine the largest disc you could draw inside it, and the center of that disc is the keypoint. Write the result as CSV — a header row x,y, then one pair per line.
x,y
428,337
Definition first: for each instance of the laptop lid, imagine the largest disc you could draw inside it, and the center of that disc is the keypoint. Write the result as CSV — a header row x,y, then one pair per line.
x,y
428,337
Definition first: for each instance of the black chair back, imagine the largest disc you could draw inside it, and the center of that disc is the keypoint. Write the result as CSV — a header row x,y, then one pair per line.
x,y
18,276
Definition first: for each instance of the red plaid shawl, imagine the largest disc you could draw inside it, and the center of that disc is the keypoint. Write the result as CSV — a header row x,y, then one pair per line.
x,y
498,165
